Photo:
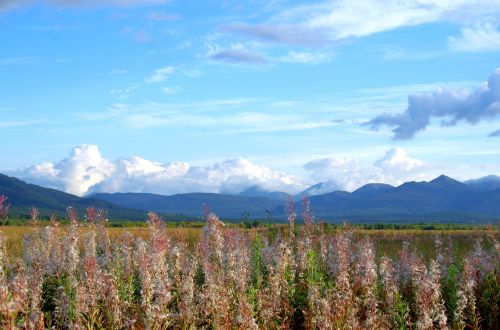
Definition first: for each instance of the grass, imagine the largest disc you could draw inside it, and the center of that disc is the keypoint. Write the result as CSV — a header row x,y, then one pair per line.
x,y
14,235
312,276
388,241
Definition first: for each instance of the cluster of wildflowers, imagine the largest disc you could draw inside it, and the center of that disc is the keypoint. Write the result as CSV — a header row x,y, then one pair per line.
x,y
4,209
75,276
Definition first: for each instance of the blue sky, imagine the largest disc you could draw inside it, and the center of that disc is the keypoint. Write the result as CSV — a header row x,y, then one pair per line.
x,y
179,96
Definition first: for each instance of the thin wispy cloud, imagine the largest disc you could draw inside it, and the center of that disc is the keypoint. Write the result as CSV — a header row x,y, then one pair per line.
x,y
495,134
161,74
162,16
137,35
118,71
123,93
220,116
478,38
170,90
236,53
327,21
236,56
20,60
307,57
282,33
19,123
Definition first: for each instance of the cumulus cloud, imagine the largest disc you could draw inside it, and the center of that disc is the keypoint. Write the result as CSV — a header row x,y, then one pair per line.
x,y
335,173
452,105
86,171
397,160
481,37
84,168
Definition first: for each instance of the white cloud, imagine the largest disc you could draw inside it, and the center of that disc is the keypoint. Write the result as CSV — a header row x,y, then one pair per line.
x,y
398,160
123,93
319,22
169,90
236,53
225,116
161,74
307,57
453,105
285,33
395,168
18,123
118,71
84,168
478,38
86,171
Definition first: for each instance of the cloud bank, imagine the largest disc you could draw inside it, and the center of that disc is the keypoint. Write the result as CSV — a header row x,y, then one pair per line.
x,y
395,168
86,171
452,105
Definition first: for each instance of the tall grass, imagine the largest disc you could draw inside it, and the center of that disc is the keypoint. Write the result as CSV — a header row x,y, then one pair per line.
x,y
82,275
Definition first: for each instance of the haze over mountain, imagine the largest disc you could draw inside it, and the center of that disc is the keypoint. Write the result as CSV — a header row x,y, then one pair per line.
x,y
490,182
440,199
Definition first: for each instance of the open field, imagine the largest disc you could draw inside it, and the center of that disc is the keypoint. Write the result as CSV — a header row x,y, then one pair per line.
x,y
387,241
228,277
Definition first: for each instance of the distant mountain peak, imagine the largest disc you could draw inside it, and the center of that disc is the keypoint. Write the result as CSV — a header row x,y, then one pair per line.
x,y
443,178
320,189
372,188
446,180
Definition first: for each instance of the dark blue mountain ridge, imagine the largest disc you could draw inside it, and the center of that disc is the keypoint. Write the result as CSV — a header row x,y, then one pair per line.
x,y
490,182
440,199
22,196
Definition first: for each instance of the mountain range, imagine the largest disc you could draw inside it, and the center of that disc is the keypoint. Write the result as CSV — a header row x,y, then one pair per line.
x,y
22,196
442,199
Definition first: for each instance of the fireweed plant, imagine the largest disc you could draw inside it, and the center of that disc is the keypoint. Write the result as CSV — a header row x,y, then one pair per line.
x,y
75,277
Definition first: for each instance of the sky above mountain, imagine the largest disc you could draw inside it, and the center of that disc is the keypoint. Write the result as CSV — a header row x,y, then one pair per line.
x,y
179,96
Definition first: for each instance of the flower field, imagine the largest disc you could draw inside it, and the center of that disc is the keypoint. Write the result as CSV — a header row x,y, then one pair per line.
x,y
86,276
